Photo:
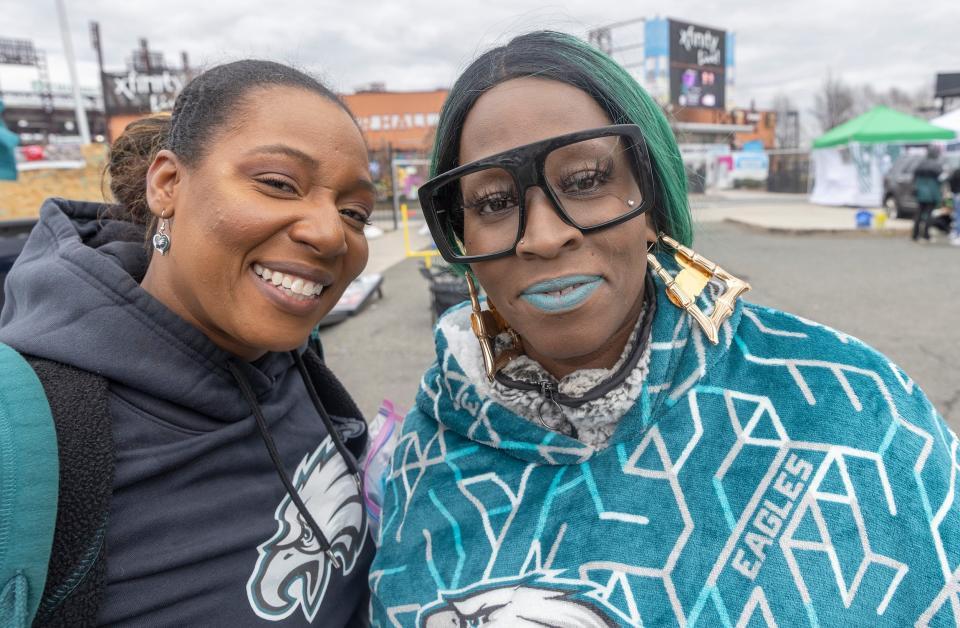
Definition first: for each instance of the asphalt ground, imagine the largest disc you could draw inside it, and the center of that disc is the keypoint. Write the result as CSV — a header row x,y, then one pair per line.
x,y
901,297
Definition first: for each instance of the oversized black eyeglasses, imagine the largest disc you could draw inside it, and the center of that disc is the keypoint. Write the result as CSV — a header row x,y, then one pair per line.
x,y
595,179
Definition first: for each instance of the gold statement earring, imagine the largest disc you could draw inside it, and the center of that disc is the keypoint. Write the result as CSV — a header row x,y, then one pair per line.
x,y
696,271
161,241
487,325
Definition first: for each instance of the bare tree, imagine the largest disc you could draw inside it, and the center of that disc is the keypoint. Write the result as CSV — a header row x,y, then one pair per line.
x,y
835,104
924,98
896,98
867,98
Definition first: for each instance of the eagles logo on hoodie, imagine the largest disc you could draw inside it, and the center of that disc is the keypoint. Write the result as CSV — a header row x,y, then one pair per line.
x,y
293,571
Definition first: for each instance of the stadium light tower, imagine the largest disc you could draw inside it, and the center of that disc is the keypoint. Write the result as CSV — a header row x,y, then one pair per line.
x,y
74,79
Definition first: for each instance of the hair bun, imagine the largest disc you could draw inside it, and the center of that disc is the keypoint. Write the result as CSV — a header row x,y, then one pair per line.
x,y
130,157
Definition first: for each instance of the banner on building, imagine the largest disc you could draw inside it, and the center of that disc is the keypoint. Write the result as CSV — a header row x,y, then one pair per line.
x,y
697,64
133,92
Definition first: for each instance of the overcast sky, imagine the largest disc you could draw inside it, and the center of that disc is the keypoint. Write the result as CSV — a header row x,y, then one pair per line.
x,y
783,47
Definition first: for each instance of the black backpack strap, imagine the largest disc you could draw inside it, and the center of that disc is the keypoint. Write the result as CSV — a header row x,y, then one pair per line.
x,y
338,403
81,414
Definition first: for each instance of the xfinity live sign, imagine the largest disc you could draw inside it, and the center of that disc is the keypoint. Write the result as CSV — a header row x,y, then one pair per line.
x,y
136,92
697,65
705,43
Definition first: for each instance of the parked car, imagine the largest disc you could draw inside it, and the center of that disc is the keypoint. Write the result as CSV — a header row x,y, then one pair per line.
x,y
899,199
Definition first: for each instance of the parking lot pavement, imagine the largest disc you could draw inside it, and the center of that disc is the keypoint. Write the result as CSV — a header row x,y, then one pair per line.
x,y
387,247
898,296
788,213
382,352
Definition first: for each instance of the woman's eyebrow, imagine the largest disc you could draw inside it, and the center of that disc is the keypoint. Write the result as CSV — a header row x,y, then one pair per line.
x,y
290,151
365,185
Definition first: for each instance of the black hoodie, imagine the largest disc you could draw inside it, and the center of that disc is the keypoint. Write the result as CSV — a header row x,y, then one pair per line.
x,y
201,530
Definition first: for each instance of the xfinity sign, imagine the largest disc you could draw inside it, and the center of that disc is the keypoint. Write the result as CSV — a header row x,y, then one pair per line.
x,y
136,92
697,65
705,42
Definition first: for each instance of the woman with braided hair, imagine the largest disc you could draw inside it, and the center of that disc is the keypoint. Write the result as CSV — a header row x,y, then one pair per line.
x,y
207,460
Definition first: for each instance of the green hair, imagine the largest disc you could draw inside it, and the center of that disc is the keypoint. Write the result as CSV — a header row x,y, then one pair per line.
x,y
565,58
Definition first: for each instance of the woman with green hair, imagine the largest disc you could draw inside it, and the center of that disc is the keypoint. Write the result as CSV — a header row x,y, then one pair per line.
x,y
611,436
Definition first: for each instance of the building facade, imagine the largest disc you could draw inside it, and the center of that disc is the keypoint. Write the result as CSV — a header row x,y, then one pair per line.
x,y
404,122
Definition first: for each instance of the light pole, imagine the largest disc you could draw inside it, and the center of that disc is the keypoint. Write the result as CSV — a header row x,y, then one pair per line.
x,y
74,80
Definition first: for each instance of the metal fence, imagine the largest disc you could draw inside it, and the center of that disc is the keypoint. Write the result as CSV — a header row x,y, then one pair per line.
x,y
397,185
789,171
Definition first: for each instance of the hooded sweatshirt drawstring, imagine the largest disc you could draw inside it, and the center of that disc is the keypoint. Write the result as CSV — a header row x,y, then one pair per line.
x,y
325,417
251,398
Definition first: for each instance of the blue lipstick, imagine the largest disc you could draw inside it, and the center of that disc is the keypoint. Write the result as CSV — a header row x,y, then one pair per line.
x,y
563,293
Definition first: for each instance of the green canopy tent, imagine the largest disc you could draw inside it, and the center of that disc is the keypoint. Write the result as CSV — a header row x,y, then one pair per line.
x,y
883,125
849,160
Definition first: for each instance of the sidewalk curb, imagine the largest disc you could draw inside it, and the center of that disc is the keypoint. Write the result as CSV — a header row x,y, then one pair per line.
x,y
798,231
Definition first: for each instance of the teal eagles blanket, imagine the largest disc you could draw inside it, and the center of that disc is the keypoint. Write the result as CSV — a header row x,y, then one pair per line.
x,y
789,476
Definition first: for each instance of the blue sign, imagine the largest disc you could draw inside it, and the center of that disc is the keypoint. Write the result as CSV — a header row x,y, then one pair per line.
x,y
656,38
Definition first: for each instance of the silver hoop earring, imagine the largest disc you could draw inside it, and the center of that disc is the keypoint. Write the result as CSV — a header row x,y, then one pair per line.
x,y
161,241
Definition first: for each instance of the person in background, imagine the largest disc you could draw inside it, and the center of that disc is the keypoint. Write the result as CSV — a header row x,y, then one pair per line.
x,y
612,437
8,146
954,182
926,186
208,462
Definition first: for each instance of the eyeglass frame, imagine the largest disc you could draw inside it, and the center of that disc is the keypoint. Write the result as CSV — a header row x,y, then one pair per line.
x,y
526,164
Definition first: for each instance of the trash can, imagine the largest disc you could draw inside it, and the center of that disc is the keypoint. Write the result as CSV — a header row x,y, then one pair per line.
x,y
447,288
864,219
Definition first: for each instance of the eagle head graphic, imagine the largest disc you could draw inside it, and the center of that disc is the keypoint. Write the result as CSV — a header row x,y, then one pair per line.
x,y
292,570
525,602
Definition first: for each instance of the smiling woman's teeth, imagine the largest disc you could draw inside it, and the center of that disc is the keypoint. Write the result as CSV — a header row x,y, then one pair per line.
x,y
289,284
